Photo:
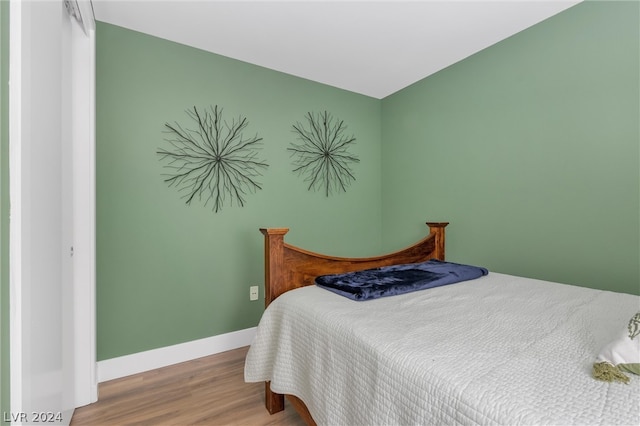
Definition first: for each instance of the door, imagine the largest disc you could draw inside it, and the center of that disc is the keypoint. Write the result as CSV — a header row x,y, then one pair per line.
x,y
46,308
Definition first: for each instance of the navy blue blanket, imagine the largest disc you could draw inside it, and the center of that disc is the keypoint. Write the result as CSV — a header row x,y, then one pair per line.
x,y
398,279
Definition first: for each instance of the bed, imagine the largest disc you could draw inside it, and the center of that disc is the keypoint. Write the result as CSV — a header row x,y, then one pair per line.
x,y
498,349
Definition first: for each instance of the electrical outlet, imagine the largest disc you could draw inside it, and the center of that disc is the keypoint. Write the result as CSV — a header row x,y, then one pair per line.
x,y
253,292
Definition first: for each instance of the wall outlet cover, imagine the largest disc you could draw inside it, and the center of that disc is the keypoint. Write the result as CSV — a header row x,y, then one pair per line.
x,y
253,292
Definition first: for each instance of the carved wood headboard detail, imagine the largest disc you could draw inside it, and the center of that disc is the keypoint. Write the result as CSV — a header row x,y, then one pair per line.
x,y
288,267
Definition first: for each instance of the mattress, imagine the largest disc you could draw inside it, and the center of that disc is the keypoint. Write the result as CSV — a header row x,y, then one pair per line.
x,y
496,350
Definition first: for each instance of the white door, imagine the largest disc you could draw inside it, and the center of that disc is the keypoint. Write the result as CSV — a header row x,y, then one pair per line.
x,y
44,315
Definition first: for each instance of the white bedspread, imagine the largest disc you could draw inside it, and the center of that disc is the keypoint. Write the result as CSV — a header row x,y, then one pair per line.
x,y
496,350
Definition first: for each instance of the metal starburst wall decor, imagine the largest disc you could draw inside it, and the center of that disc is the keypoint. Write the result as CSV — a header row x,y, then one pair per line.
x,y
321,153
212,161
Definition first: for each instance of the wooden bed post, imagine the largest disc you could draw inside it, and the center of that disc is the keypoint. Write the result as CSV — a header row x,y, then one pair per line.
x,y
273,401
437,228
273,262
273,279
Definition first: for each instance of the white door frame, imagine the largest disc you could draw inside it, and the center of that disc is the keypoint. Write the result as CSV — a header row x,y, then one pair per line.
x,y
15,197
84,202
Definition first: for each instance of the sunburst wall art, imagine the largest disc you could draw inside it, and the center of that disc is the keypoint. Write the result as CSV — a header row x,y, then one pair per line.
x,y
211,160
321,153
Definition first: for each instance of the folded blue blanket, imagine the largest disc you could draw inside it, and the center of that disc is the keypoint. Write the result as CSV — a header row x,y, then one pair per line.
x,y
398,279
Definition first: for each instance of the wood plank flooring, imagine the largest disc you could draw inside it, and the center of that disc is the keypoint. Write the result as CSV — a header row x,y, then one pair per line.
x,y
205,391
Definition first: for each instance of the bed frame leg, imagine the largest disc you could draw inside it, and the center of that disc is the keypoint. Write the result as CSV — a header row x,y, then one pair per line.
x,y
273,401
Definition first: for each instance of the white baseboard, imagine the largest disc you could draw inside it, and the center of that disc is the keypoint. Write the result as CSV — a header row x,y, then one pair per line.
x,y
127,365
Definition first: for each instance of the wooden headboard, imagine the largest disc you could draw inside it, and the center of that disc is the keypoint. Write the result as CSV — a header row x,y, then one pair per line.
x,y
288,267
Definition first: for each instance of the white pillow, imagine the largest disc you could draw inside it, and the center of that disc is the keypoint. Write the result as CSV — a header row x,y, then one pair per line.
x,y
621,355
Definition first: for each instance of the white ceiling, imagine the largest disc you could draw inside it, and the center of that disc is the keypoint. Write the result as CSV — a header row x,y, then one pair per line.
x,y
370,47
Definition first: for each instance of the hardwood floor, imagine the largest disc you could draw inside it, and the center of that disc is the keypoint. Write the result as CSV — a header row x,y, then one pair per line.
x,y
205,391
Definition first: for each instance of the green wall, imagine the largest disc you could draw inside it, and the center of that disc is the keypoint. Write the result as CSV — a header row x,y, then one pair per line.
x,y
4,210
530,149
167,272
